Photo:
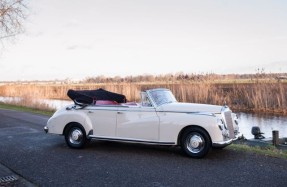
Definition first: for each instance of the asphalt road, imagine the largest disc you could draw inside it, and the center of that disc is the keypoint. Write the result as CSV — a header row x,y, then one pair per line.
x,y
45,160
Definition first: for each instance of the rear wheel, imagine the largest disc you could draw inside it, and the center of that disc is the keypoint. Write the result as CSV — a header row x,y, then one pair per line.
x,y
195,142
75,136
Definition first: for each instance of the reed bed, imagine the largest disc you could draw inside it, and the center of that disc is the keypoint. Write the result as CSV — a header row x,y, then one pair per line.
x,y
28,101
254,97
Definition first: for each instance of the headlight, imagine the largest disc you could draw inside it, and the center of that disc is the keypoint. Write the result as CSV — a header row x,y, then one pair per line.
x,y
222,127
220,124
235,118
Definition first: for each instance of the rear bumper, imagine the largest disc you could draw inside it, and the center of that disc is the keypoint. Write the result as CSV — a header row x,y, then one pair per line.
x,y
46,129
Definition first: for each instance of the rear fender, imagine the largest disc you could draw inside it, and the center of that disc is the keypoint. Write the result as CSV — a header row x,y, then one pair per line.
x,y
58,122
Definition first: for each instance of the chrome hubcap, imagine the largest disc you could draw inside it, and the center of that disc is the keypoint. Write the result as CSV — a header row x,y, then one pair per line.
x,y
195,143
76,136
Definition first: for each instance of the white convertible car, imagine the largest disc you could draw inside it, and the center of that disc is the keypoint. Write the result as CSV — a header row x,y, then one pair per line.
x,y
157,119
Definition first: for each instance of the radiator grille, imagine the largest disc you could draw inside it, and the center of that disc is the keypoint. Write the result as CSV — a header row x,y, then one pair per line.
x,y
229,123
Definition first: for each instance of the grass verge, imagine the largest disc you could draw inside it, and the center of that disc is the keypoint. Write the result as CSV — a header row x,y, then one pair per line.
x,y
269,150
25,109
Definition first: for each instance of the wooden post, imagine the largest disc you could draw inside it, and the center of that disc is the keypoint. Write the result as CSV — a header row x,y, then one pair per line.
x,y
275,137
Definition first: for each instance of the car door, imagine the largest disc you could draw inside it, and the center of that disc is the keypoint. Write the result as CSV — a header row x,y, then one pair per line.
x,y
103,119
138,123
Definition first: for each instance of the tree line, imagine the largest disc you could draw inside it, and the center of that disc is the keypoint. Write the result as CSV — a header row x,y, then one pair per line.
x,y
177,77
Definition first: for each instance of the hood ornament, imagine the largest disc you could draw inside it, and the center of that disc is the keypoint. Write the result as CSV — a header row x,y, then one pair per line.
x,y
225,104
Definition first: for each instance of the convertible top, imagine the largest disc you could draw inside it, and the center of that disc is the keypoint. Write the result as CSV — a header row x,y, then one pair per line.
x,y
86,97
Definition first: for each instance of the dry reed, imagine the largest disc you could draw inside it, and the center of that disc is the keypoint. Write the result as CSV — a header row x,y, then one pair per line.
x,y
257,97
28,101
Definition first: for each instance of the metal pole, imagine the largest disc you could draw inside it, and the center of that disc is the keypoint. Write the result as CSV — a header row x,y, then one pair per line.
x,y
275,137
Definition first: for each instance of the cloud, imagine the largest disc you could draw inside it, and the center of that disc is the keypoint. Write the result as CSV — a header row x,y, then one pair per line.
x,y
271,67
79,47
35,34
72,47
278,67
72,23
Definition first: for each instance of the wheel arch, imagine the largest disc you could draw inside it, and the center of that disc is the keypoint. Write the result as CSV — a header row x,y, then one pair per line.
x,y
189,127
79,119
70,124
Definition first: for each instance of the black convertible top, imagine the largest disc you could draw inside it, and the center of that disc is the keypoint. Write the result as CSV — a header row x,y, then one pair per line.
x,y
85,97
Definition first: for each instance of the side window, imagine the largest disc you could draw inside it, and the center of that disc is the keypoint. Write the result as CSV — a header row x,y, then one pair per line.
x,y
145,100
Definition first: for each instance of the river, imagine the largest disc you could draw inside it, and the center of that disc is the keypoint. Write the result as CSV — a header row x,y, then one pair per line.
x,y
266,122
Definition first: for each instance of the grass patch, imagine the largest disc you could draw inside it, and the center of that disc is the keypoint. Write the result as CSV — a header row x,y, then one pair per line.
x,y
264,150
25,109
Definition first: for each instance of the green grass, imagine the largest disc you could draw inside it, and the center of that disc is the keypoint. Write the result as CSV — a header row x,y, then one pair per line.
x,y
25,109
266,150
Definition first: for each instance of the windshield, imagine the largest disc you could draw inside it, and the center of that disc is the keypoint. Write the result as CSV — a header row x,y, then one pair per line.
x,y
161,97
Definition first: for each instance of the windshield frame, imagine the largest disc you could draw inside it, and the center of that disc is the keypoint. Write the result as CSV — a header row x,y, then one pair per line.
x,y
161,96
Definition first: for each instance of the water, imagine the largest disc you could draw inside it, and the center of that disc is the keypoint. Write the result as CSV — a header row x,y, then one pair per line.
x,y
57,104
266,123
52,103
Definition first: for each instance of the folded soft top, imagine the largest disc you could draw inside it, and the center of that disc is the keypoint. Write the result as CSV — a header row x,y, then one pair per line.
x,y
90,96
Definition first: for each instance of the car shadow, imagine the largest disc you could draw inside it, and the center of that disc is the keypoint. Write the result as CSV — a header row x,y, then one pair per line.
x,y
134,149
152,150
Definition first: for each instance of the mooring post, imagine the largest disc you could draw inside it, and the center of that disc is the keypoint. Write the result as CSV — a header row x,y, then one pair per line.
x,y
275,137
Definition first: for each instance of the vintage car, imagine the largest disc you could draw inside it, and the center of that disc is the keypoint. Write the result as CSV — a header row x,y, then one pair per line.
x,y
157,119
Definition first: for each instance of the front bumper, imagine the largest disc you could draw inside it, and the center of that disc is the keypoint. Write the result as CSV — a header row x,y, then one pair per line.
x,y
46,129
225,143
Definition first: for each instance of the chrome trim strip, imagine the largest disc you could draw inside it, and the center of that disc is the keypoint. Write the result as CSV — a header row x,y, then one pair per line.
x,y
89,109
130,140
193,113
149,109
146,110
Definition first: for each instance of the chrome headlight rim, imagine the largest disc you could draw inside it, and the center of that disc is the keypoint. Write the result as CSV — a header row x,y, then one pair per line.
x,y
221,124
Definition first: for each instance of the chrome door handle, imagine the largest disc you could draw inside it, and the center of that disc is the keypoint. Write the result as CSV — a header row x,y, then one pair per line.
x,y
90,112
119,112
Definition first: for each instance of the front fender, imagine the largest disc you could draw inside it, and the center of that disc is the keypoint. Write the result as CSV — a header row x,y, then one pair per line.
x,y
171,125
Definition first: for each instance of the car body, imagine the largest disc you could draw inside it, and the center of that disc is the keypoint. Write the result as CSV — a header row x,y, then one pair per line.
x,y
157,119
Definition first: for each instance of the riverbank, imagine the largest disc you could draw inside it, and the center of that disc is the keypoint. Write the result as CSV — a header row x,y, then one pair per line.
x,y
263,146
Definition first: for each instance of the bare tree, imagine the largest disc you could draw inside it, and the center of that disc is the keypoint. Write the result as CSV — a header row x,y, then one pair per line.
x,y
12,14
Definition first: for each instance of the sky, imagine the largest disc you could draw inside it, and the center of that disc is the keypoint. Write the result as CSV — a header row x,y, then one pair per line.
x,y
77,39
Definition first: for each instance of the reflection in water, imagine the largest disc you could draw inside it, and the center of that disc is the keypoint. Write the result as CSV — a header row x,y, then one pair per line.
x,y
266,123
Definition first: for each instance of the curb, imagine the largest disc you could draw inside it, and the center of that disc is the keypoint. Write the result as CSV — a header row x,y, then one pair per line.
x,y
263,143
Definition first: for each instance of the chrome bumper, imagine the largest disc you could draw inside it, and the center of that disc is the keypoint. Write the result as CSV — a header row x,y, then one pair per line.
x,y
46,129
225,143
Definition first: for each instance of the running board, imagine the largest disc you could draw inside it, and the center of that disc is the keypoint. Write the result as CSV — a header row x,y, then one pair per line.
x,y
129,140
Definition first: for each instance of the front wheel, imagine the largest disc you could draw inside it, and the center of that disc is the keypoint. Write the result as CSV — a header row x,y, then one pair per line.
x,y
195,142
75,137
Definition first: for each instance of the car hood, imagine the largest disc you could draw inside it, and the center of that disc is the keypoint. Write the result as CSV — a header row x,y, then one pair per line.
x,y
191,107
